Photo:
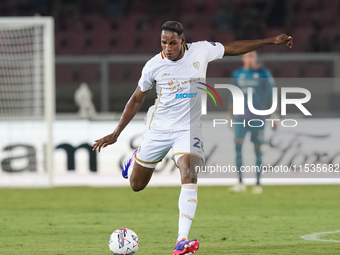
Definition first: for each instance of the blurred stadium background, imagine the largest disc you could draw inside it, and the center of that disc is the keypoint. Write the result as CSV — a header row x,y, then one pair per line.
x,y
106,43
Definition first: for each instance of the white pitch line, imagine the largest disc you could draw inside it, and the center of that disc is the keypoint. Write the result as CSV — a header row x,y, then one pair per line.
x,y
315,236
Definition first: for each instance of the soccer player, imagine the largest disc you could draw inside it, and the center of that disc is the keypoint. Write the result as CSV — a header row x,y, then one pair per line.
x,y
173,122
251,75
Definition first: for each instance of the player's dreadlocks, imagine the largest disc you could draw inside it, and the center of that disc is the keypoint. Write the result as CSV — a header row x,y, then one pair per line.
x,y
174,26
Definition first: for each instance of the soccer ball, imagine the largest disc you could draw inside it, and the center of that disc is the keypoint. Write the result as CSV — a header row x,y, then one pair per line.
x,y
123,241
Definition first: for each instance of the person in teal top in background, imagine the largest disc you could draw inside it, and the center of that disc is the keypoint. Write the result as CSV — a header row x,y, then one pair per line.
x,y
261,81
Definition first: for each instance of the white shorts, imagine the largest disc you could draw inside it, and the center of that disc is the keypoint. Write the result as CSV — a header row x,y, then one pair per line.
x,y
156,144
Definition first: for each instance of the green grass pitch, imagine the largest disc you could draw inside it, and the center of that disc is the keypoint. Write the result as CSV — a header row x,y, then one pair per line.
x,y
65,221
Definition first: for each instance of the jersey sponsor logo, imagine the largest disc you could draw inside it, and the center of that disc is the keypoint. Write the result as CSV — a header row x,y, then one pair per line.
x,y
213,43
174,84
190,81
196,65
186,95
256,75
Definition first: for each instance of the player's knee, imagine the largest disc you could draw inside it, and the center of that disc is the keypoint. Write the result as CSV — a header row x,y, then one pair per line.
x,y
137,186
239,142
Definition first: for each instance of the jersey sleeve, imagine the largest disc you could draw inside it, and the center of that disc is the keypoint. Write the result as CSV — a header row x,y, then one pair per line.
x,y
214,50
146,80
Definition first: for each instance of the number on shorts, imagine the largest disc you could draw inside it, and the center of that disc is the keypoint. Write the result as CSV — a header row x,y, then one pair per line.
x,y
198,143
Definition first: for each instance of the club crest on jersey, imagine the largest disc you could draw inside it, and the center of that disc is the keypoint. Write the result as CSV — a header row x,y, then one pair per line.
x,y
256,75
196,65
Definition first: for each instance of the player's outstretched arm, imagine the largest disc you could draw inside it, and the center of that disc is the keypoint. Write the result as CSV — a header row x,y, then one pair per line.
x,y
130,110
241,47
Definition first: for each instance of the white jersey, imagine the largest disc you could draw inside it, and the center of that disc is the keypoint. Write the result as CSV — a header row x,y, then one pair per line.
x,y
178,103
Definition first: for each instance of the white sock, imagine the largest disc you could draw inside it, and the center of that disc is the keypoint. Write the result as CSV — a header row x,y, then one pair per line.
x,y
187,204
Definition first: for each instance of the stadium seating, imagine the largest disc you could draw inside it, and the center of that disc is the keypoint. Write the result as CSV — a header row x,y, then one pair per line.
x,y
98,36
126,37
301,39
136,32
100,43
197,16
201,28
332,4
75,41
61,44
140,7
212,6
228,36
287,70
84,27
148,38
303,20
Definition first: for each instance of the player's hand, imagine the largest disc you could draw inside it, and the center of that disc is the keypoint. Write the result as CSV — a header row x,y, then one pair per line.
x,y
105,141
283,39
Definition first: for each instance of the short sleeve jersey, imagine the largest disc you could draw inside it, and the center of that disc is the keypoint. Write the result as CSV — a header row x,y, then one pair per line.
x,y
178,102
